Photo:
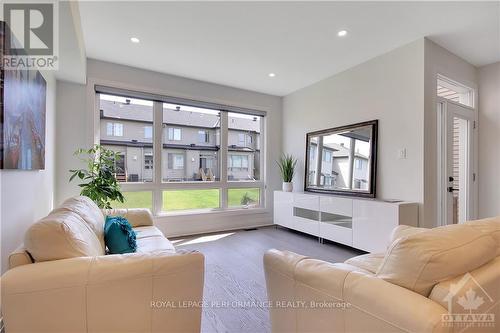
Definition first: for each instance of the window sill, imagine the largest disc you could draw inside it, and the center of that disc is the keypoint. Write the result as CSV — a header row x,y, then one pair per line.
x,y
228,211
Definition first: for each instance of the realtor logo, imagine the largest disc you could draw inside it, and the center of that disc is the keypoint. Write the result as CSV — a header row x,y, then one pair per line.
x,y
469,305
31,35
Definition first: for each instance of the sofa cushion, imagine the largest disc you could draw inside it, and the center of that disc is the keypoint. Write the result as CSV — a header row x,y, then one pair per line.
x,y
89,212
135,216
369,262
154,244
62,234
148,231
420,261
119,236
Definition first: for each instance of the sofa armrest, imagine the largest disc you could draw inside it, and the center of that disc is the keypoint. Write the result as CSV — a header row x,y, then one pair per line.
x,y
114,293
137,217
313,295
19,257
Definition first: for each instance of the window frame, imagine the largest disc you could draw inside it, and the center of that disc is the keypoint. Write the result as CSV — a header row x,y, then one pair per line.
x,y
156,187
173,130
203,136
113,126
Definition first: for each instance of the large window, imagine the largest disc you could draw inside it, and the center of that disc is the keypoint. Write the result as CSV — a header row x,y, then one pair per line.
x,y
126,128
243,147
189,142
194,156
190,199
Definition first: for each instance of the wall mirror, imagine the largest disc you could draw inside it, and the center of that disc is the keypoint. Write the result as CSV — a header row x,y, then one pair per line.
x,y
343,160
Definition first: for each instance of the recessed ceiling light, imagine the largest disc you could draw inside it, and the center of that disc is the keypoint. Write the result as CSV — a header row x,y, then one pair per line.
x,y
272,75
134,40
342,33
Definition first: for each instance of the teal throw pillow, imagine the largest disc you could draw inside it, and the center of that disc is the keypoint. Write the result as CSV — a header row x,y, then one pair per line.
x,y
119,236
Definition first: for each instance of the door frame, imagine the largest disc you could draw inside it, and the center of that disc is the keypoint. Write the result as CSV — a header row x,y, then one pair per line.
x,y
442,156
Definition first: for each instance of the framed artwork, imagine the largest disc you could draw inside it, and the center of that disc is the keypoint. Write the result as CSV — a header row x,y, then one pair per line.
x,y
22,115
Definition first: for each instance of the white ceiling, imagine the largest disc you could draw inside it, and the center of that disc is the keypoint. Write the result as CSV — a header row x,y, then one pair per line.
x,y
239,43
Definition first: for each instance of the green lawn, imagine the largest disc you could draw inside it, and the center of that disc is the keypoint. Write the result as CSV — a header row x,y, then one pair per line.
x,y
135,200
189,199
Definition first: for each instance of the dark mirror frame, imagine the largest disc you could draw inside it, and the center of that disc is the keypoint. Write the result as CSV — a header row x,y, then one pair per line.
x,y
371,193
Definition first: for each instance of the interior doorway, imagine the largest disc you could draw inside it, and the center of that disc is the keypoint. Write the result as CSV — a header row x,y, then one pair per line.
x,y
457,176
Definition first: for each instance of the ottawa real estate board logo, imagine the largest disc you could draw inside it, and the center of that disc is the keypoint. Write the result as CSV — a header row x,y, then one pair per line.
x,y
469,306
30,35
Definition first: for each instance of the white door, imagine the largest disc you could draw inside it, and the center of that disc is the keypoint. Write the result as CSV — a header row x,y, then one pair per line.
x,y
456,162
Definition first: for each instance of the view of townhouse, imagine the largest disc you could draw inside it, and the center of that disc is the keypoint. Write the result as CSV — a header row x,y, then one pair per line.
x,y
249,166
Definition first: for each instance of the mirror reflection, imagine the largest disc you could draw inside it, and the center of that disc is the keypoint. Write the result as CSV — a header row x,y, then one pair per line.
x,y
340,160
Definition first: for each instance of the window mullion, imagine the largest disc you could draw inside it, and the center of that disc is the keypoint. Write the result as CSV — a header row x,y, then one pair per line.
x,y
223,158
158,150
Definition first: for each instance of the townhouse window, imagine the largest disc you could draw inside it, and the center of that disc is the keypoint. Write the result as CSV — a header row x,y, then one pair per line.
x,y
175,161
327,156
238,162
358,164
182,155
241,139
203,136
312,152
148,132
114,129
174,134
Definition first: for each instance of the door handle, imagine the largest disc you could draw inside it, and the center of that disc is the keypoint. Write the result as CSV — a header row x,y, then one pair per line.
x,y
451,189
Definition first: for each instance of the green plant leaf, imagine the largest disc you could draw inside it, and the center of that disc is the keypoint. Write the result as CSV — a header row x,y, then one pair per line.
x,y
100,183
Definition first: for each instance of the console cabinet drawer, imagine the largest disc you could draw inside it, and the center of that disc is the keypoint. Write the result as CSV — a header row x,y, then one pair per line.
x,y
306,201
338,206
336,233
305,225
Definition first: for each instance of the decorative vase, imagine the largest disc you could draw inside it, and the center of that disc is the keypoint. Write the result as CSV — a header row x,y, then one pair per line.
x,y
287,186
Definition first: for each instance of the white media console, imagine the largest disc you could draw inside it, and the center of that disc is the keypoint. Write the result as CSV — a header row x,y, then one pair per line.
x,y
364,224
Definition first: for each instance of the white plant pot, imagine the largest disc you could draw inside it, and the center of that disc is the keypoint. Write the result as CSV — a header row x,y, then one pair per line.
x,y
287,187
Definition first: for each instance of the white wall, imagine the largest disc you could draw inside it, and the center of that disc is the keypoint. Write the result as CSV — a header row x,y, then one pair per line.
x,y
74,108
389,88
489,139
438,61
26,196
71,127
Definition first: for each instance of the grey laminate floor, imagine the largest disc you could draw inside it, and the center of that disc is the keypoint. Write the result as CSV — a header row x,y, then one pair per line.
x,y
234,275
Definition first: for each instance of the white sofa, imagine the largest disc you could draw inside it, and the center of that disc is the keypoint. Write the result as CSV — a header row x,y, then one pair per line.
x,y
62,281
413,287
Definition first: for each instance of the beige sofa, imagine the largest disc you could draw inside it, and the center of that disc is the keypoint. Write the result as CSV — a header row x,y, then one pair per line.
x,y
445,279
62,281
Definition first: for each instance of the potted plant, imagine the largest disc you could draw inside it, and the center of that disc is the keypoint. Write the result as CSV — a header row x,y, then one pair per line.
x,y
99,177
287,164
